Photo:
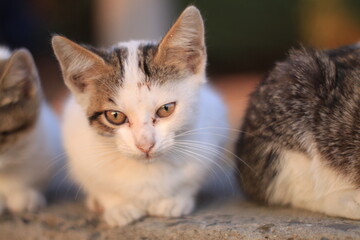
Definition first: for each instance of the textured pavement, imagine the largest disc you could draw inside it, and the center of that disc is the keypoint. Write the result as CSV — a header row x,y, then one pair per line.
x,y
222,219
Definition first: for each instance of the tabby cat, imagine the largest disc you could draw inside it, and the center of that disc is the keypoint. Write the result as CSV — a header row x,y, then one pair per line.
x,y
301,133
29,134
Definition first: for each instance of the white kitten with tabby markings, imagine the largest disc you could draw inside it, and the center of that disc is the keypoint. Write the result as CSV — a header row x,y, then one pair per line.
x,y
29,134
143,129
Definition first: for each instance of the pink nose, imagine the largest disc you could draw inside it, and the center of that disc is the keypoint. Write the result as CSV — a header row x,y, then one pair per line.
x,y
146,148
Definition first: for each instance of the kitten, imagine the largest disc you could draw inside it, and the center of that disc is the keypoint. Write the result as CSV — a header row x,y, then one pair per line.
x,y
301,134
143,128
28,134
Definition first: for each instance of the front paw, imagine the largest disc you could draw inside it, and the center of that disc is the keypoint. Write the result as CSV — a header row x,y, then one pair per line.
x,y
25,200
343,204
122,215
172,207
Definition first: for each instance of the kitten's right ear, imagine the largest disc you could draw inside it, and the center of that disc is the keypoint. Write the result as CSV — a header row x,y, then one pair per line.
x,y
78,64
184,44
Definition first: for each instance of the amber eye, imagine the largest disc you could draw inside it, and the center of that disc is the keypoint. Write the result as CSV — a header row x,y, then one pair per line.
x,y
166,110
115,117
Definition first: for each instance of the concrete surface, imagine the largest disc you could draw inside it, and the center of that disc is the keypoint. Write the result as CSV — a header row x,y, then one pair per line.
x,y
223,219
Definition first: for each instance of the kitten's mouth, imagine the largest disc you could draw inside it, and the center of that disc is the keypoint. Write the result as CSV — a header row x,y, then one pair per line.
x,y
149,157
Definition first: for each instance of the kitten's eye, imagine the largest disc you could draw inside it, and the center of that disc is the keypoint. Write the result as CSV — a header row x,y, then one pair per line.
x,y
166,110
115,117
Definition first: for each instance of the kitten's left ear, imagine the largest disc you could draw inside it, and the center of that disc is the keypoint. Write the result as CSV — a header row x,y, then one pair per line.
x,y
184,44
20,72
78,64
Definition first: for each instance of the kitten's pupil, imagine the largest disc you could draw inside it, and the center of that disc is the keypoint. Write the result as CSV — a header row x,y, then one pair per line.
x,y
115,115
166,110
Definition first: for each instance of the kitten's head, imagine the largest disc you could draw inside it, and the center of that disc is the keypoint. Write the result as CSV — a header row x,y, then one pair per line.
x,y
19,95
139,94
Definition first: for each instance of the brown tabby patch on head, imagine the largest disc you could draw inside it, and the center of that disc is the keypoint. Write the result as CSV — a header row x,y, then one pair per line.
x,y
114,57
95,74
105,88
154,72
19,98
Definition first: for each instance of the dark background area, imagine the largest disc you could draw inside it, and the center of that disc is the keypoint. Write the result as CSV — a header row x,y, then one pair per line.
x,y
243,36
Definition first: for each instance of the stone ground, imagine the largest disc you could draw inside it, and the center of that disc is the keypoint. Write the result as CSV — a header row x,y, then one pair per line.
x,y
232,218
221,219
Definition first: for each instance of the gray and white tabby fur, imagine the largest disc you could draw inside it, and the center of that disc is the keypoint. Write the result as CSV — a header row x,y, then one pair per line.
x,y
29,134
301,134
147,165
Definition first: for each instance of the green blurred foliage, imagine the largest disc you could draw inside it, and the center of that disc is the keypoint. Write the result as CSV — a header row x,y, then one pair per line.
x,y
250,35
246,35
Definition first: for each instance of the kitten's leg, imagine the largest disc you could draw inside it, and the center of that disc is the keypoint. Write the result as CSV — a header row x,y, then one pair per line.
x,y
340,204
122,214
24,199
118,212
172,207
310,184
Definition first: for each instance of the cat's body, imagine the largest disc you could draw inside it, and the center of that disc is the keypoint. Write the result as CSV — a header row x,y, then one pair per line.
x,y
301,134
29,134
143,130
165,187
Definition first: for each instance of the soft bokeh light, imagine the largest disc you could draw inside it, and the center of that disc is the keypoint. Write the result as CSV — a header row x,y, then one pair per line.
x,y
244,38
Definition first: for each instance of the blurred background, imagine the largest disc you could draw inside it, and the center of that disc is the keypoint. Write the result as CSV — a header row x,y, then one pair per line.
x,y
244,38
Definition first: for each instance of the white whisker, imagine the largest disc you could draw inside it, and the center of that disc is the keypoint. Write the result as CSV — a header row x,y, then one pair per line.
x,y
213,145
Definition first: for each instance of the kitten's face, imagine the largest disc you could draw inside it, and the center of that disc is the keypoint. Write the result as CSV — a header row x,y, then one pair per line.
x,y
147,116
139,95
19,99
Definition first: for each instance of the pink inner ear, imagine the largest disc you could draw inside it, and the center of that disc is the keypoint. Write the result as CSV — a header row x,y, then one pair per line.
x,y
187,31
183,46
